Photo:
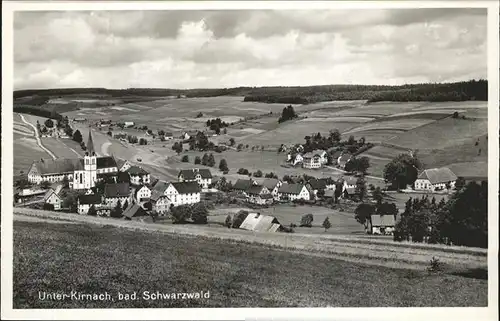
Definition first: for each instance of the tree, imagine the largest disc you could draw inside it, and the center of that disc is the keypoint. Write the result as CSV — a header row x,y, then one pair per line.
x,y
239,218
204,160
363,214
65,181
92,211
229,221
243,171
177,147
180,214
143,141
232,142
361,188
185,159
211,160
239,147
125,205
48,207
117,211
197,160
22,183
45,184
223,165
306,220
77,136
199,213
258,173
377,195
402,171
49,123
460,183
271,175
326,224
225,131
110,133
321,193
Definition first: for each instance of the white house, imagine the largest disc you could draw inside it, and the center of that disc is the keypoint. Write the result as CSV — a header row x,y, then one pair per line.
x,y
435,179
138,175
84,203
128,124
114,193
311,161
169,136
52,197
161,203
295,159
343,159
123,165
273,185
202,176
323,155
142,193
294,192
179,193
259,194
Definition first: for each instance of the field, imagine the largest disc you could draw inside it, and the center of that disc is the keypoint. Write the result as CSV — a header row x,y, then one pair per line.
x,y
26,151
106,258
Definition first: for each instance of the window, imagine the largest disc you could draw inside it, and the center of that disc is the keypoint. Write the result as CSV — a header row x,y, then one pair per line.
x,y
93,161
81,178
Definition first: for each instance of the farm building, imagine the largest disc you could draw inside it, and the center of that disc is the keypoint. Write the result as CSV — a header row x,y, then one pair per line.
x,y
202,176
273,185
84,203
169,136
348,184
129,124
242,185
123,165
294,159
114,193
134,211
82,173
138,175
160,203
311,160
435,179
334,156
382,224
79,120
293,192
259,194
52,197
27,194
316,185
260,223
142,193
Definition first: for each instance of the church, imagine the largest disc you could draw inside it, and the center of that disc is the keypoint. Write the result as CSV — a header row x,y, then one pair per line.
x,y
82,173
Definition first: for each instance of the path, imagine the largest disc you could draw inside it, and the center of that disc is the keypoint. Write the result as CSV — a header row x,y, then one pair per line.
x,y
105,148
37,136
343,171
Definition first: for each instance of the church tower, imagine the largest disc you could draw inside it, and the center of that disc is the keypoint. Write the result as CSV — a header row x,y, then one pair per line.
x,y
90,160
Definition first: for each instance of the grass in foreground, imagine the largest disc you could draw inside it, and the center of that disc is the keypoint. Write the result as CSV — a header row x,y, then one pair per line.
x,y
64,257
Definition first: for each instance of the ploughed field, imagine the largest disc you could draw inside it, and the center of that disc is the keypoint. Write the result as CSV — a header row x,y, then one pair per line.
x,y
98,258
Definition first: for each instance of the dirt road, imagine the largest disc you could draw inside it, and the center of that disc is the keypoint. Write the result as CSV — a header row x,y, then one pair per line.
x,y
37,137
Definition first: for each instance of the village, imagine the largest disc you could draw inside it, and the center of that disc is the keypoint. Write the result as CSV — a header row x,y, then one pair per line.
x,y
112,187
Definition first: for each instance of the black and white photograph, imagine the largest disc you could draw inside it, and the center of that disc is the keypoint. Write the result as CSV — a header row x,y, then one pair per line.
x,y
274,157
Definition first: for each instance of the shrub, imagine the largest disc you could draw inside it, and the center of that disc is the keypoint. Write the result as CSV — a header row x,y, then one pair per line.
x,y
180,214
229,221
197,160
185,159
239,218
243,171
92,211
48,207
258,173
434,265
199,213
306,220
326,224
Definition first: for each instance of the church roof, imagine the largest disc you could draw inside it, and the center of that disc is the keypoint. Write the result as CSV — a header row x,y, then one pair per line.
x,y
106,162
117,190
90,144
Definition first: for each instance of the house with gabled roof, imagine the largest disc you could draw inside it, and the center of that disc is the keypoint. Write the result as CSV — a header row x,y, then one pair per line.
x,y
178,193
257,222
435,179
84,202
242,185
142,193
122,165
272,184
138,175
343,159
311,160
293,192
316,185
118,192
259,194
202,176
161,203
52,197
382,224
134,211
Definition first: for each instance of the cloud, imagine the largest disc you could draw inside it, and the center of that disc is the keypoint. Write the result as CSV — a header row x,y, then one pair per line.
x,y
186,49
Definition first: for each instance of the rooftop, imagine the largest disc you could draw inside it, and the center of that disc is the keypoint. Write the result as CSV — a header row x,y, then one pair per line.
x,y
438,175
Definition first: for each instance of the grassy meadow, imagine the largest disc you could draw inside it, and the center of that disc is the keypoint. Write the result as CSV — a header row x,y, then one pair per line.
x,y
93,259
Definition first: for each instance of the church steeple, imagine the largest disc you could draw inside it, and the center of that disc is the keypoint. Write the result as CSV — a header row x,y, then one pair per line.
x,y
90,144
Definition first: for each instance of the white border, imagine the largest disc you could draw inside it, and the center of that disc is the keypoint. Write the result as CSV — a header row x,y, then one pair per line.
x,y
490,313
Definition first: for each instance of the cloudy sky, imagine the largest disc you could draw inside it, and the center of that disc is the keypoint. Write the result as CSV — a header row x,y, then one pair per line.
x,y
206,49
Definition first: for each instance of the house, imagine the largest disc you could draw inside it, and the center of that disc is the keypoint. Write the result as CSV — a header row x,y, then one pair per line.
x,y
316,185
202,176
329,183
335,156
242,185
142,193
259,194
435,179
134,211
343,159
382,224
123,165
79,120
114,193
293,192
28,194
185,136
295,159
52,197
272,184
169,136
311,160
178,193
138,175
348,186
260,223
84,203
128,124
323,156
160,203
